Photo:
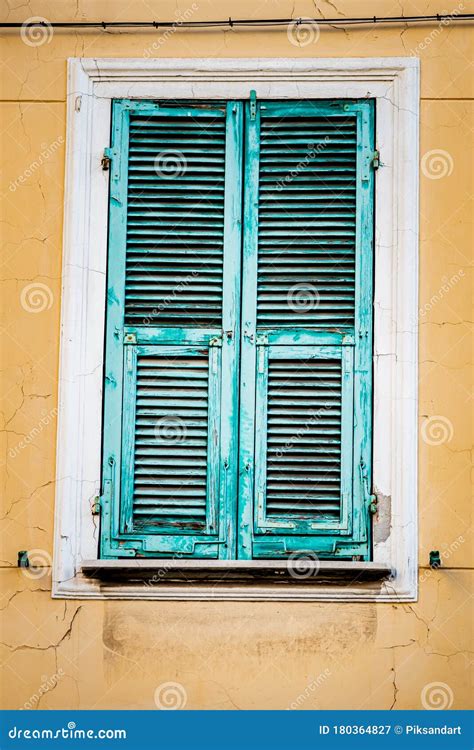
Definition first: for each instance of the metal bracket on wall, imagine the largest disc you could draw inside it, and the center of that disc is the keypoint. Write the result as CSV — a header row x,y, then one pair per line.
x,y
23,561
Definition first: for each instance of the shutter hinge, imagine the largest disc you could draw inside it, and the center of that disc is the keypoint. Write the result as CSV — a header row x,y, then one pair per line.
x,y
376,159
253,105
107,493
373,504
95,509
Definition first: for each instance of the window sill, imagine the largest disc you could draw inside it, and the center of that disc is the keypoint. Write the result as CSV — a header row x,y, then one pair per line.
x,y
184,573
228,580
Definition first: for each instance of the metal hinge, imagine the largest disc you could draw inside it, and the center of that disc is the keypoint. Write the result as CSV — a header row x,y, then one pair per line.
x,y
373,504
376,159
95,509
253,105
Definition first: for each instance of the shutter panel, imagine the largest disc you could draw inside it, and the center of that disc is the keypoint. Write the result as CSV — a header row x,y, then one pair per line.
x,y
175,219
306,396
170,432
306,345
307,182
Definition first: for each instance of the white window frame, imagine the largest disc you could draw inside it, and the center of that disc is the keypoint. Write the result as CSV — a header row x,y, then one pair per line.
x,y
92,84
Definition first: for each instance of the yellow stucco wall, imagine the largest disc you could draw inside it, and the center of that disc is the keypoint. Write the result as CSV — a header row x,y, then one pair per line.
x,y
231,655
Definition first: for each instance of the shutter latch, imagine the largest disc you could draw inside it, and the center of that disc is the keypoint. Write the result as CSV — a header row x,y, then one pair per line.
x,y
110,159
253,105
370,161
105,161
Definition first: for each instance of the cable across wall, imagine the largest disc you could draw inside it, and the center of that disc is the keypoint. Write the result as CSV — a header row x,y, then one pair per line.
x,y
235,23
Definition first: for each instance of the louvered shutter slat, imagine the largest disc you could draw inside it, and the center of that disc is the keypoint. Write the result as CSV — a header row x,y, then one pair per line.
x,y
287,159
176,245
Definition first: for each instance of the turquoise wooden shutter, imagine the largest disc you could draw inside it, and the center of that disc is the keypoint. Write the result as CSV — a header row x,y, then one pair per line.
x,y
172,333
306,398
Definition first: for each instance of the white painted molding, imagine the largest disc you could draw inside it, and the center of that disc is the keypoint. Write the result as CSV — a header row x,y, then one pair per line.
x,y
92,84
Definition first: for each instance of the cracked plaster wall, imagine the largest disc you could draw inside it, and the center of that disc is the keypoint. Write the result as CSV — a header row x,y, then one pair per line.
x,y
229,655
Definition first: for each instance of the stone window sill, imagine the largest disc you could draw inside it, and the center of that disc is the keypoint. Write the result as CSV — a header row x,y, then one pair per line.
x,y
185,573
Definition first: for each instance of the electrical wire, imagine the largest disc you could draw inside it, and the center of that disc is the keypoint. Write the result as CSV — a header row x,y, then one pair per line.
x,y
235,23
